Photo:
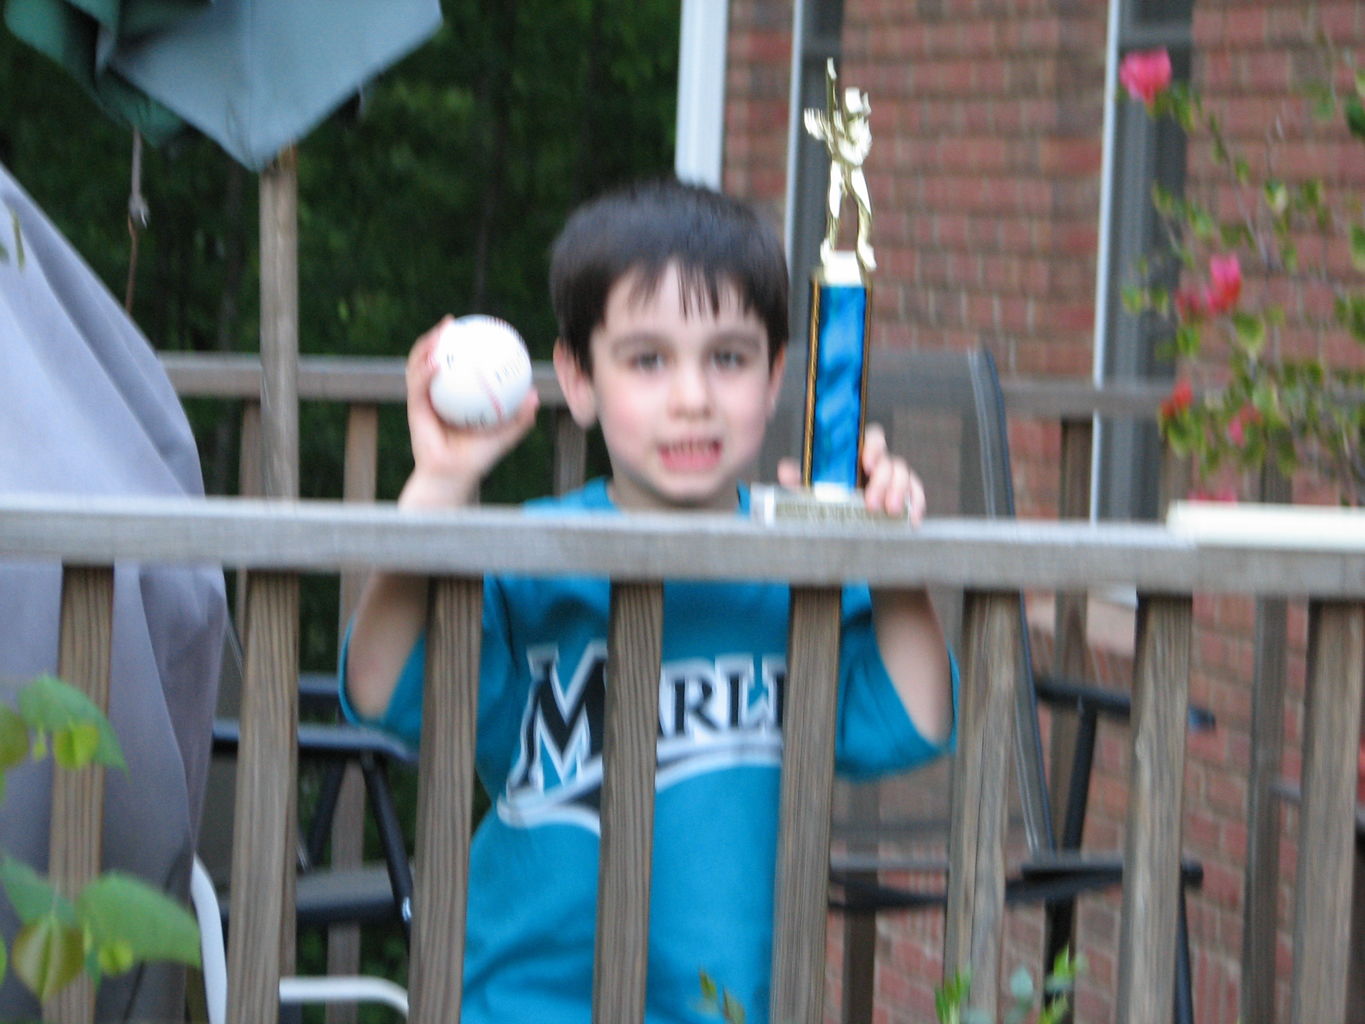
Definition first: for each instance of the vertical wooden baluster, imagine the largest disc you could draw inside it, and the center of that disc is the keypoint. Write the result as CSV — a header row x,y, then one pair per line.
x,y
348,820
86,640
1151,878
1322,906
860,930
279,252
261,940
629,756
808,710
976,843
445,800
1261,884
250,483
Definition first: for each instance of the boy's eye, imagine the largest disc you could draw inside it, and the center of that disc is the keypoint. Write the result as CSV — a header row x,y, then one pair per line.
x,y
730,359
646,361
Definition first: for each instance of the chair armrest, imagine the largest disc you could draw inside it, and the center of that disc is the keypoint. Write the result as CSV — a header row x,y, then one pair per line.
x,y
334,742
318,693
1084,696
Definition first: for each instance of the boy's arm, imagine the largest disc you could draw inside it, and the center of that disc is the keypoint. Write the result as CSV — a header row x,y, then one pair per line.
x,y
909,636
915,653
448,465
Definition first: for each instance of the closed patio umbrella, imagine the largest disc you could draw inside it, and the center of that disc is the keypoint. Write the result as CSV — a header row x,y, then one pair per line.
x,y
254,75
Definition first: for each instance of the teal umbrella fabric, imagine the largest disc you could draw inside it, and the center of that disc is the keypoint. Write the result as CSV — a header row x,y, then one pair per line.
x,y
254,75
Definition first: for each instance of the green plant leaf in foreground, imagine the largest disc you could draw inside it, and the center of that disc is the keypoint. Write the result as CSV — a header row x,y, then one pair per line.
x,y
13,738
130,921
31,895
49,705
48,954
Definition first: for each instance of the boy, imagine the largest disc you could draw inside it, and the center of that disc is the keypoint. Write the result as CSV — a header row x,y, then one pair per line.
x,y
672,310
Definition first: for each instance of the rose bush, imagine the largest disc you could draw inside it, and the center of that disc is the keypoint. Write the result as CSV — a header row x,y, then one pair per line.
x,y
1266,313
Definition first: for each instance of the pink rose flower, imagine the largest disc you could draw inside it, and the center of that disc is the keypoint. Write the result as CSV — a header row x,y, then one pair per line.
x,y
1145,74
1179,399
1225,283
1189,305
1237,425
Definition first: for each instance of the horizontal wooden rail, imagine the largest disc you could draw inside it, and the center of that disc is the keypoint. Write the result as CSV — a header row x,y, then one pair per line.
x,y
322,535
380,379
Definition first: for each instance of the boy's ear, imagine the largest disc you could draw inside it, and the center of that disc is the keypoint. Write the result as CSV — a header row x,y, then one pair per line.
x,y
775,380
576,383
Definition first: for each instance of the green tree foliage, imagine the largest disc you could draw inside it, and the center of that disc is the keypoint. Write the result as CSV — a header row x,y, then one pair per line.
x,y
437,190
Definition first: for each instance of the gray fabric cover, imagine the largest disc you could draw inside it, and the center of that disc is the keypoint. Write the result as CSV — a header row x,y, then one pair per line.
x,y
87,409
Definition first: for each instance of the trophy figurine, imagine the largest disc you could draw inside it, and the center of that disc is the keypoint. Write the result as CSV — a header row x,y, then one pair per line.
x,y
840,320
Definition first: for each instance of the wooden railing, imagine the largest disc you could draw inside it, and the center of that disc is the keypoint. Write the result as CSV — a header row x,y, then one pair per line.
x,y
992,561
364,385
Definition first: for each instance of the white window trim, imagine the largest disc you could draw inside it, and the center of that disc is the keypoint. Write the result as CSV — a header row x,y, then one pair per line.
x,y
700,149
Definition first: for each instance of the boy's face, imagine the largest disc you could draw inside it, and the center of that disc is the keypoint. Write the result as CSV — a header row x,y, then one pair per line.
x,y
683,395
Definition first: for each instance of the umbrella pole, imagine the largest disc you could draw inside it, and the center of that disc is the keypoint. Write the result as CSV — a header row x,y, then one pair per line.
x,y
279,200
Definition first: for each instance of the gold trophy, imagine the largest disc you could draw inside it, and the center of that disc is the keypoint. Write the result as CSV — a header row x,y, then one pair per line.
x,y
840,328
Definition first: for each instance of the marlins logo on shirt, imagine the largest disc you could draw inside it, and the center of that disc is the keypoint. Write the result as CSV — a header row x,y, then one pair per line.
x,y
712,714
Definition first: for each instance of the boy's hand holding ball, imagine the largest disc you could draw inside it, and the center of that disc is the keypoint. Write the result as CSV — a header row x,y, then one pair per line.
x,y
483,372
470,400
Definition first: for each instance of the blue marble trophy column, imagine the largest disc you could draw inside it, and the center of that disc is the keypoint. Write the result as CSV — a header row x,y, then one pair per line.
x,y
836,378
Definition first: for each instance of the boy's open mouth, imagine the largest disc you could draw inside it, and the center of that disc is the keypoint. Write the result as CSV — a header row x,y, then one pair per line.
x,y
682,456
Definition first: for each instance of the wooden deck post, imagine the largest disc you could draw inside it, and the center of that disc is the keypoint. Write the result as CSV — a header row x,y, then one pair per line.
x,y
1322,906
1151,880
1261,882
445,800
629,759
261,941
84,649
976,874
802,896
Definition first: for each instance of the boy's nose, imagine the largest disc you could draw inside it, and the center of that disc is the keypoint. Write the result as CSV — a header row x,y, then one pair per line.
x,y
691,391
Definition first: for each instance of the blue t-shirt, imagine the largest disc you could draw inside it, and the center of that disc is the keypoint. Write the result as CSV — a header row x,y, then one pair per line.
x,y
533,861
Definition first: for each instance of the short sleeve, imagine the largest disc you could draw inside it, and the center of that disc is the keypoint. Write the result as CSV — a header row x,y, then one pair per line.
x,y
875,734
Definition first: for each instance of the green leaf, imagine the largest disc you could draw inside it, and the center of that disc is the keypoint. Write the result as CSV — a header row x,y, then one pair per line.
x,y
1350,312
1276,197
1358,247
3,964
31,895
50,705
13,738
116,957
75,747
48,955
731,1010
1355,117
120,910
1187,340
709,992
1250,330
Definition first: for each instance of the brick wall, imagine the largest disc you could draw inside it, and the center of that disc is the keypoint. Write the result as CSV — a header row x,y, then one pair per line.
x,y
984,175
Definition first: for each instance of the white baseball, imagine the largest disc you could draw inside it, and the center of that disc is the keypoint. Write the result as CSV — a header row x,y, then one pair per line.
x,y
483,372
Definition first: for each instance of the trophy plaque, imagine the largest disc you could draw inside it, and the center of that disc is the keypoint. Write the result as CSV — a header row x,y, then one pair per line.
x,y
840,320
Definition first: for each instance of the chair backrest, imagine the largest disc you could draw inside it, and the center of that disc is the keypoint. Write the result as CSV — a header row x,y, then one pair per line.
x,y
943,411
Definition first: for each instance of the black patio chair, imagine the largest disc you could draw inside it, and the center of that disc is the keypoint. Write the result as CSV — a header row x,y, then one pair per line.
x,y
945,413
378,891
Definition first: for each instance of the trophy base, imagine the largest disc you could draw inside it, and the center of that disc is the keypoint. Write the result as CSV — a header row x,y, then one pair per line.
x,y
822,503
